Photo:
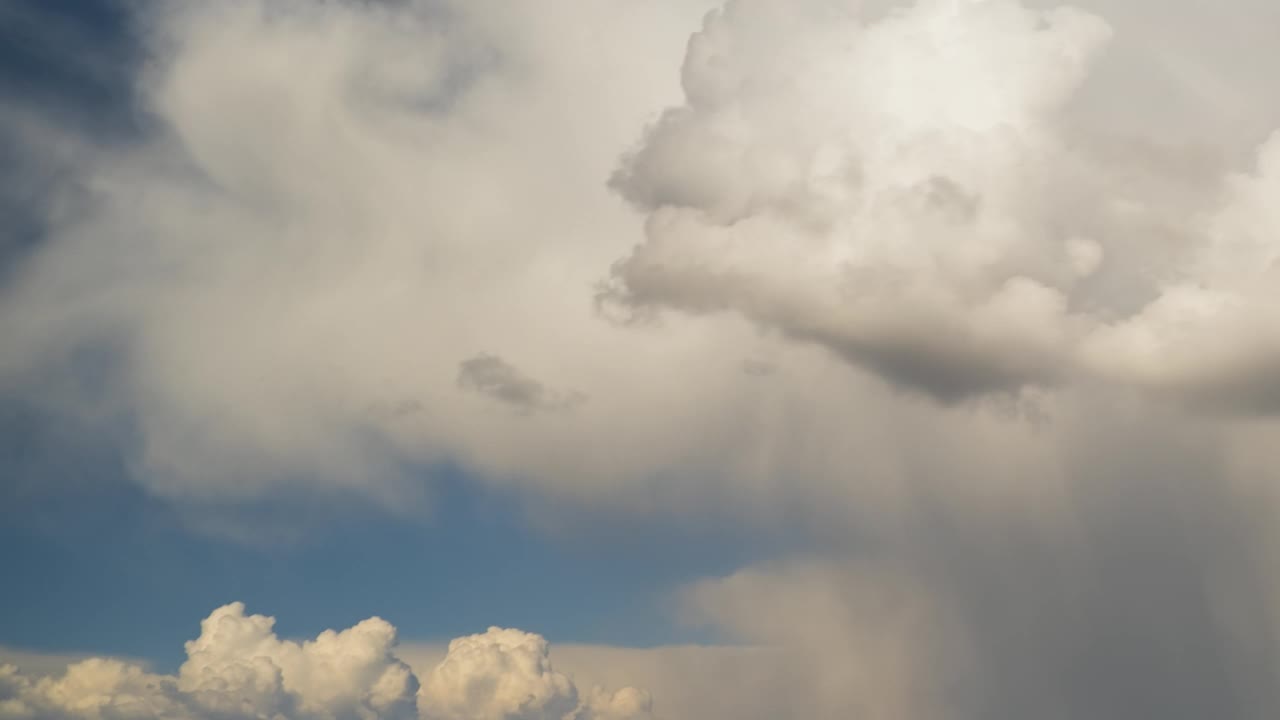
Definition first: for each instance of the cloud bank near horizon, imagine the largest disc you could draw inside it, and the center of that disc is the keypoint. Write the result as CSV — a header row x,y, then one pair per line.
x,y
238,669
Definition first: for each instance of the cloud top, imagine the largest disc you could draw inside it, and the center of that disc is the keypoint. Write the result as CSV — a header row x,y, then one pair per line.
x,y
238,669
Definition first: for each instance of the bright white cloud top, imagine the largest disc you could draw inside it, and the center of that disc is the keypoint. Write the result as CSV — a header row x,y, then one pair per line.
x,y
307,282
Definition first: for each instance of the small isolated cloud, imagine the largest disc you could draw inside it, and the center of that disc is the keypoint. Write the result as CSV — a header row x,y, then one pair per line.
x,y
491,375
238,669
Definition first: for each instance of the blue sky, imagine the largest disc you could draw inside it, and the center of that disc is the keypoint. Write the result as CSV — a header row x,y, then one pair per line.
x,y
114,572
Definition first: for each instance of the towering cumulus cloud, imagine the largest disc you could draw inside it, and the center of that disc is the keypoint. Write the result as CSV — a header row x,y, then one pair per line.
x,y
1209,336
239,670
910,193
878,189
239,665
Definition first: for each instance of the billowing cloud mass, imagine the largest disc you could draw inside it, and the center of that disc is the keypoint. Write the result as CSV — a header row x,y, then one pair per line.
x,y
878,189
239,669
507,675
1207,336
402,258
975,299
238,665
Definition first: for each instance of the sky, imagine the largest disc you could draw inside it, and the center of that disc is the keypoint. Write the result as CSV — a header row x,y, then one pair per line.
x,y
620,360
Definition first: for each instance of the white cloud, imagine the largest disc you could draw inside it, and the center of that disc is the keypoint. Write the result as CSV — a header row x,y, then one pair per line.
x,y
296,257
507,674
287,287
500,674
684,681
239,669
91,689
292,280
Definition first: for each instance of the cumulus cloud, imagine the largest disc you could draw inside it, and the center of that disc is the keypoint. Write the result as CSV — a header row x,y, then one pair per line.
x,y
677,678
239,669
1208,336
909,193
1142,587
94,688
505,674
500,674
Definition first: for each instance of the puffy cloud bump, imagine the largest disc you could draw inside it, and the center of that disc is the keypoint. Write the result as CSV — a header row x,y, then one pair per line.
x,y
875,188
238,669
507,674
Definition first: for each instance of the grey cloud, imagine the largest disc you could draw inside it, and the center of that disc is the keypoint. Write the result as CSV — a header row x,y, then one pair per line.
x,y
930,349
491,375
504,674
946,233
1141,586
886,217
758,368
952,229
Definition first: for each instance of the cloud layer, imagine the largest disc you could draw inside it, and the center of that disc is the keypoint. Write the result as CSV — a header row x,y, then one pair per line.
x,y
873,188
